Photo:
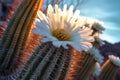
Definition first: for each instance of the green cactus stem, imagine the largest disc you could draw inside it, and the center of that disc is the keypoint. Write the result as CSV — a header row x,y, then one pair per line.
x,y
81,66
16,35
108,71
46,63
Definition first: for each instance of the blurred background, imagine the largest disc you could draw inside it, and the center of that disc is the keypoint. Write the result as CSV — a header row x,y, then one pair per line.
x,y
107,11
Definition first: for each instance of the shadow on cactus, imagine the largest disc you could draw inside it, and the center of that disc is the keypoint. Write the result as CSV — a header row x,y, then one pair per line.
x,y
15,38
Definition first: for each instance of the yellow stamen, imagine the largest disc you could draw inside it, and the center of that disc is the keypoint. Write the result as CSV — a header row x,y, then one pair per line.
x,y
61,35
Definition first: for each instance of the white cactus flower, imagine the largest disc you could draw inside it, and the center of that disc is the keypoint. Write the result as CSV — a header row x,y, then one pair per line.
x,y
96,54
97,69
99,26
115,60
93,24
62,28
99,40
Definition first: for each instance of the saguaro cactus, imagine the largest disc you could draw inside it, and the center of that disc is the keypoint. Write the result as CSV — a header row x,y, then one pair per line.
x,y
15,37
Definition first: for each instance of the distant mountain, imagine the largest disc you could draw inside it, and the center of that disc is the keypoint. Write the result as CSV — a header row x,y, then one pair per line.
x,y
110,48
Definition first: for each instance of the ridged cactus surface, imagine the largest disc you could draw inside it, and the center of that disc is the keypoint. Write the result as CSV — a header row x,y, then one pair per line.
x,y
81,66
51,63
46,63
14,38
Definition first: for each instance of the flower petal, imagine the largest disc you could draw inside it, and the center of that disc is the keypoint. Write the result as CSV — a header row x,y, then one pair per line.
x,y
57,43
88,44
41,29
42,17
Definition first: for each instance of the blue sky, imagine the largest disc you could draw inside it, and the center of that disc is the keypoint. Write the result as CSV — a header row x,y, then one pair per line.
x,y
107,11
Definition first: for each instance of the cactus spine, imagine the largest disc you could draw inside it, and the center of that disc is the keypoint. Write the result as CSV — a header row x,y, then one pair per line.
x,y
47,62
15,37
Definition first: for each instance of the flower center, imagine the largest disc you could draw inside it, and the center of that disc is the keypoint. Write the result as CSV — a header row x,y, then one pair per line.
x,y
61,35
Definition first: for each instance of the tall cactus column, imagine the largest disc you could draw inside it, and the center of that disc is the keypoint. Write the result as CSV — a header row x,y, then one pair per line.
x,y
16,35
